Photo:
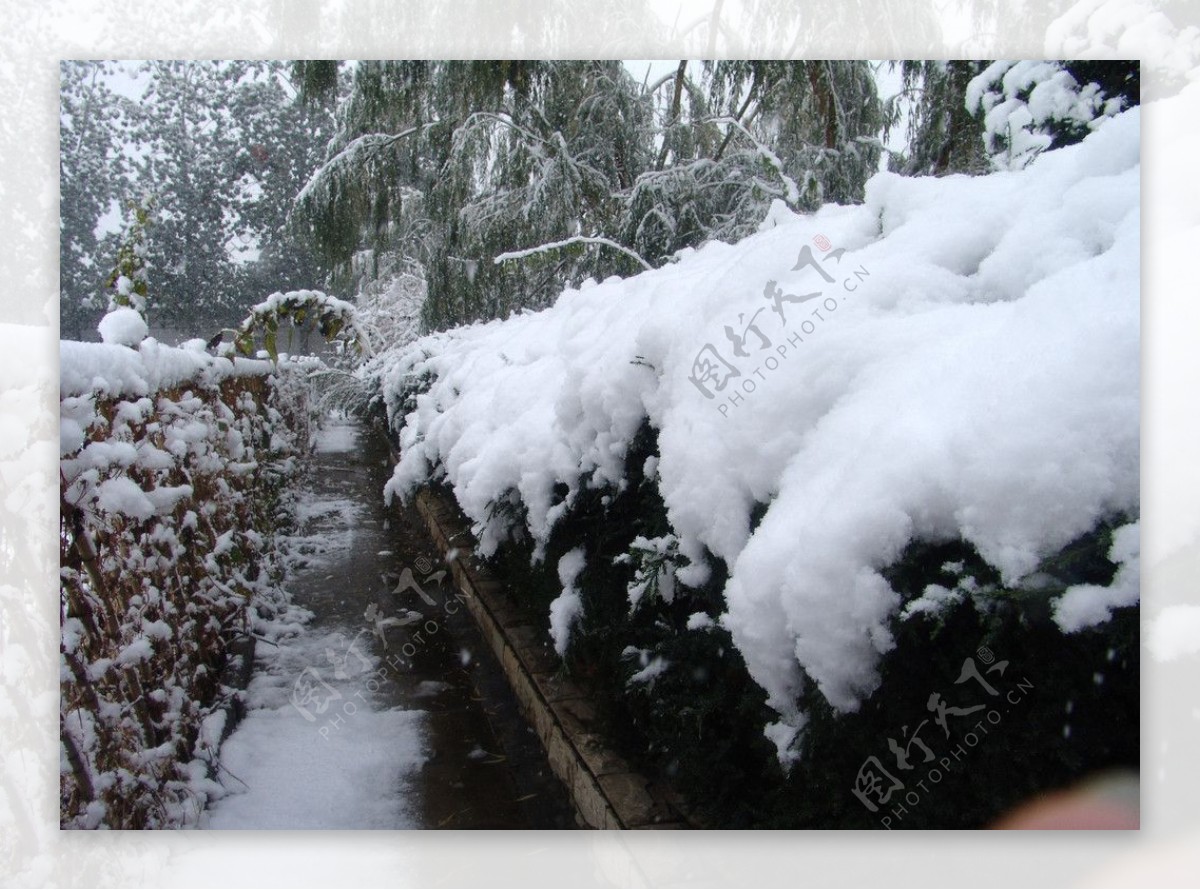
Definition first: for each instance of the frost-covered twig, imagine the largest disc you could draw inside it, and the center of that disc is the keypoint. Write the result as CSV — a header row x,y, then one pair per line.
x,y
566,242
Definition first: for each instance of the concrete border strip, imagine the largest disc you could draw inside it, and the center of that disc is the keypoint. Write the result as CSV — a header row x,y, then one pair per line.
x,y
606,791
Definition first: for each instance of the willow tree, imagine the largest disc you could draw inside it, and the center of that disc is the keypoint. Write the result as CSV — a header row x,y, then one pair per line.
x,y
498,183
943,136
446,166
737,135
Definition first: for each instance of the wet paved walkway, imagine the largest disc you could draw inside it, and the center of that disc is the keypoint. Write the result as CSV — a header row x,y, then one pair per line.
x,y
388,710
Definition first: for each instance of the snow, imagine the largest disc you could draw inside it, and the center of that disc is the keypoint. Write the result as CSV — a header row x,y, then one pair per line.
x,y
969,368
567,607
341,759
1086,605
567,242
139,650
122,495
111,369
298,779
336,437
655,668
1126,29
783,735
933,600
338,540
1051,93
123,326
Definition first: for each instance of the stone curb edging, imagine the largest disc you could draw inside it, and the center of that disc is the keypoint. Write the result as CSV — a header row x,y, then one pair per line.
x,y
606,791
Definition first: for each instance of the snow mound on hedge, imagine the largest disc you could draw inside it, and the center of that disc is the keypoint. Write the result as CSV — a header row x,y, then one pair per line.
x,y
123,326
114,369
957,357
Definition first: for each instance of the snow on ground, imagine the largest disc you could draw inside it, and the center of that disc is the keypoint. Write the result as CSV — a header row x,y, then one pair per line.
x,y
955,357
282,769
319,746
338,436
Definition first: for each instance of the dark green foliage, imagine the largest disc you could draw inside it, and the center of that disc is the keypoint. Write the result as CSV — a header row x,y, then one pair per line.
x,y
316,79
1075,710
1084,95
943,136
1115,77
700,723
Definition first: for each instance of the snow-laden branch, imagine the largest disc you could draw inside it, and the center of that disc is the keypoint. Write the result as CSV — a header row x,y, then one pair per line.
x,y
501,118
349,155
654,87
566,242
793,191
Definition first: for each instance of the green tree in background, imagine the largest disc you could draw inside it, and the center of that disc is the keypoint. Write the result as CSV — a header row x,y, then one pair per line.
x,y
281,141
574,166
943,136
478,189
450,164
221,149
737,135
91,167
187,136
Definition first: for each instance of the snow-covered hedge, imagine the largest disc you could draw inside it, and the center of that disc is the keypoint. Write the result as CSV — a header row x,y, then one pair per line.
x,y
954,363
173,465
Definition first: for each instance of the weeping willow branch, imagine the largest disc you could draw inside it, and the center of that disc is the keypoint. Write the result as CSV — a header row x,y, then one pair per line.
x,y
348,156
793,191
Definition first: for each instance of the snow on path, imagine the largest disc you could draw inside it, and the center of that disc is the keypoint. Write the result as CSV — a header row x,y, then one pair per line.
x,y
320,746
302,773
336,437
